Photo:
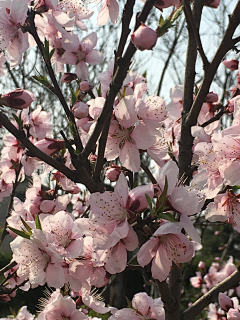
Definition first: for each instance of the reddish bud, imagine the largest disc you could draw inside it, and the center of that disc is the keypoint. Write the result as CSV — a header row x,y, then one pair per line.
x,y
144,38
84,86
50,146
231,64
68,77
18,99
201,265
161,4
224,301
112,174
212,3
211,97
80,110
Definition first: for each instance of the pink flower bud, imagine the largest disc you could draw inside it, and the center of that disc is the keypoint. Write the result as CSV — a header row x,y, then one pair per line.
x,y
144,38
50,146
161,4
201,265
224,301
212,97
18,99
112,174
231,64
84,86
80,110
212,3
68,77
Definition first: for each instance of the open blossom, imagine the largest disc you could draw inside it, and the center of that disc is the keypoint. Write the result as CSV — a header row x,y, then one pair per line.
x,y
13,15
38,262
145,308
79,52
167,245
110,9
60,307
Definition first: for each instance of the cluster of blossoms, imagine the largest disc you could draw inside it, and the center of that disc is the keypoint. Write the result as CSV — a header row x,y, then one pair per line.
x,y
85,247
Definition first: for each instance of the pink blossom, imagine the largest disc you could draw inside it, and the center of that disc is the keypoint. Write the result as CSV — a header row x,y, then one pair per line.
x,y
144,38
110,9
12,17
112,174
79,52
224,301
17,99
80,110
212,3
167,245
60,307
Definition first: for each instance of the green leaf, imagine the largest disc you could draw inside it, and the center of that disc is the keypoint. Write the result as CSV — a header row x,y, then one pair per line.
x,y
73,97
38,223
166,216
165,25
20,233
29,229
99,91
235,187
18,120
51,53
149,201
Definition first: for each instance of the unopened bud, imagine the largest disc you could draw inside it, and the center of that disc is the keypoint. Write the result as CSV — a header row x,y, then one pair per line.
x,y
231,64
201,265
212,3
144,38
212,97
18,99
80,110
84,86
162,4
50,146
112,174
68,77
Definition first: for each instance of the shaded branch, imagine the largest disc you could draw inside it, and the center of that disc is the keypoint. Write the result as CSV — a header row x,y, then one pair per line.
x,y
83,178
211,296
116,84
195,29
8,267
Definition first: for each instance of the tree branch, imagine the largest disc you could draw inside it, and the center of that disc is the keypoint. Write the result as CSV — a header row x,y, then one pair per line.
x,y
83,178
116,84
211,296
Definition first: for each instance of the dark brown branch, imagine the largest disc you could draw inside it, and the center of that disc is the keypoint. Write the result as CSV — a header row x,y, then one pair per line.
x,y
4,290
211,296
195,29
72,175
116,84
148,172
215,118
8,267
101,151
33,31
126,18
191,112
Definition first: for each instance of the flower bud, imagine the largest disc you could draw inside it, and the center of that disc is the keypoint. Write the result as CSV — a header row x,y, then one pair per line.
x,y
84,86
68,77
212,3
80,110
211,97
224,301
201,265
18,99
112,174
144,38
231,64
50,146
161,4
